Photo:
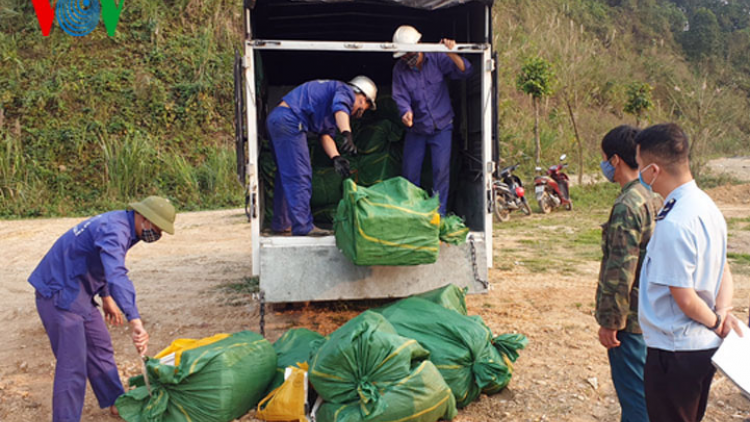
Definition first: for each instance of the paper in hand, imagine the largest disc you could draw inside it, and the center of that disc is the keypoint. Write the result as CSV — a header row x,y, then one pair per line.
x,y
733,359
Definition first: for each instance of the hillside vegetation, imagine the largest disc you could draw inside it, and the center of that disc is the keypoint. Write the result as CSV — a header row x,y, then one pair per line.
x,y
88,123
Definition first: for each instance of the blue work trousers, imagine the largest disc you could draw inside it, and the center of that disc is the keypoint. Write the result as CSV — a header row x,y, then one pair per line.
x,y
627,362
440,148
83,349
293,181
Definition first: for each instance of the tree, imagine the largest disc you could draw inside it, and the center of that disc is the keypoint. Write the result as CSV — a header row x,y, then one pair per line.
x,y
699,105
704,37
639,100
536,79
577,69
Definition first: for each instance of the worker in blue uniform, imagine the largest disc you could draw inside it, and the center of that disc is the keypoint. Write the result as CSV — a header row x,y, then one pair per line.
x,y
420,90
318,107
88,261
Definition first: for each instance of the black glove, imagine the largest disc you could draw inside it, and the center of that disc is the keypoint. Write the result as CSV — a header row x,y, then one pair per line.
x,y
341,166
348,146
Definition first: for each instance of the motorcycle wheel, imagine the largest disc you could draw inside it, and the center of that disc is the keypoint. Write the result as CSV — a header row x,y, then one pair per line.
x,y
525,207
544,203
502,213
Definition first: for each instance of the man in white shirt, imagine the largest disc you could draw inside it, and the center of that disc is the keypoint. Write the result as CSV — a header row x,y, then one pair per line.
x,y
686,287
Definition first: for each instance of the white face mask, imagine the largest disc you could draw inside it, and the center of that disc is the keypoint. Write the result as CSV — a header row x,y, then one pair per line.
x,y
411,61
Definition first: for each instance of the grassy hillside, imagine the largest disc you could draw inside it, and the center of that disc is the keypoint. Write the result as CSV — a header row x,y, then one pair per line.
x,y
90,122
87,123
599,48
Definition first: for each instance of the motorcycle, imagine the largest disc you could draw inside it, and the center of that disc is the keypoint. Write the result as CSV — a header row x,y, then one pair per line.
x,y
509,194
552,190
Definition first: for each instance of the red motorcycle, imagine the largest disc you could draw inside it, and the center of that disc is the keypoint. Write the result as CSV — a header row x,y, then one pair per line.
x,y
552,190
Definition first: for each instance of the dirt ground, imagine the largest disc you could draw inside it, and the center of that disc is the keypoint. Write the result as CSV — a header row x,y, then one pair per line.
x,y
182,283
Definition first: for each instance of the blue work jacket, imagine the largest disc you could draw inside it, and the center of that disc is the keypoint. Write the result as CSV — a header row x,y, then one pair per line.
x,y
90,256
425,92
316,102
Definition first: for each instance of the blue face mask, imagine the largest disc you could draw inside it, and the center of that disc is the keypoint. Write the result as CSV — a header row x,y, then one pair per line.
x,y
640,178
608,170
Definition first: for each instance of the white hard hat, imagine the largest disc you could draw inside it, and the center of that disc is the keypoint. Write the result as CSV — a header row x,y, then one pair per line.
x,y
366,86
405,34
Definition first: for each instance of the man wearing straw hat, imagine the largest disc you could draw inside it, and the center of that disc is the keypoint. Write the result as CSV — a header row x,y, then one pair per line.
x,y
87,261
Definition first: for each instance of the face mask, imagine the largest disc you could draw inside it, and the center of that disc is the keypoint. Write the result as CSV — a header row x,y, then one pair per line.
x,y
608,170
149,235
411,61
640,177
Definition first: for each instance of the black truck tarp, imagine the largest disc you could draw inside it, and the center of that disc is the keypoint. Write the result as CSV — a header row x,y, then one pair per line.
x,y
416,4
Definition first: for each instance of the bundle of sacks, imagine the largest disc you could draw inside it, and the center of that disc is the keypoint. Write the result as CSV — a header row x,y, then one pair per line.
x,y
417,359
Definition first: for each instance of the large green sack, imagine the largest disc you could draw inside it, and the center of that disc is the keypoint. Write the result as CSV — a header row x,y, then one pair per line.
x,y
452,230
449,296
295,346
365,371
377,136
391,223
218,382
324,216
375,168
326,187
460,346
415,399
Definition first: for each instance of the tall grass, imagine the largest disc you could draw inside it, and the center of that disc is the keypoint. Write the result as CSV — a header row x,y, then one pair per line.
x,y
21,193
130,165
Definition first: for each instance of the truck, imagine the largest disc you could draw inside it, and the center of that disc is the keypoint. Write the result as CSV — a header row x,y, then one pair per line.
x,y
289,42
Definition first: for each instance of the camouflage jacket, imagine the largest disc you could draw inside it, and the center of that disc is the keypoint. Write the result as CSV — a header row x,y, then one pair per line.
x,y
624,239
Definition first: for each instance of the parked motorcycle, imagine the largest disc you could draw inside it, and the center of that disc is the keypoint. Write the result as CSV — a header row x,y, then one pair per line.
x,y
552,190
509,194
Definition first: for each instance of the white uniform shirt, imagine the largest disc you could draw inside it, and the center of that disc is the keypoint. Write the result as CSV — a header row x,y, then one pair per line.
x,y
688,249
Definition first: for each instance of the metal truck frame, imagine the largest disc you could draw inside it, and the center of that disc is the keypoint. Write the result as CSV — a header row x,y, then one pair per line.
x,y
294,269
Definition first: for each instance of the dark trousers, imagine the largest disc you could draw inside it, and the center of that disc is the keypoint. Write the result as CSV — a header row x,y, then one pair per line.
x,y
677,384
292,188
83,348
627,362
415,145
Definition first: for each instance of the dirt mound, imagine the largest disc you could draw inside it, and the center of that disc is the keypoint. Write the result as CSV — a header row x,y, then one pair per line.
x,y
731,194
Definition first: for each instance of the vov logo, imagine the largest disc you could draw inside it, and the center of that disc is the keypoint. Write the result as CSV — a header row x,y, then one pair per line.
x,y
78,17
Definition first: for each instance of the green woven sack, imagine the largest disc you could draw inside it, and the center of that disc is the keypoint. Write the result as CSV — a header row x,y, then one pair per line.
x,y
460,346
375,168
453,230
421,397
449,296
218,382
365,371
295,346
326,187
377,136
390,223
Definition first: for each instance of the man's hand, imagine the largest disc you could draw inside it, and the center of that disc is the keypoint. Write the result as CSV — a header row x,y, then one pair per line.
x,y
451,44
111,312
608,338
341,166
408,119
139,335
348,146
728,323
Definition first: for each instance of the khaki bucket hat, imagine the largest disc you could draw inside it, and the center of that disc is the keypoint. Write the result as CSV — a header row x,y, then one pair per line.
x,y
157,210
